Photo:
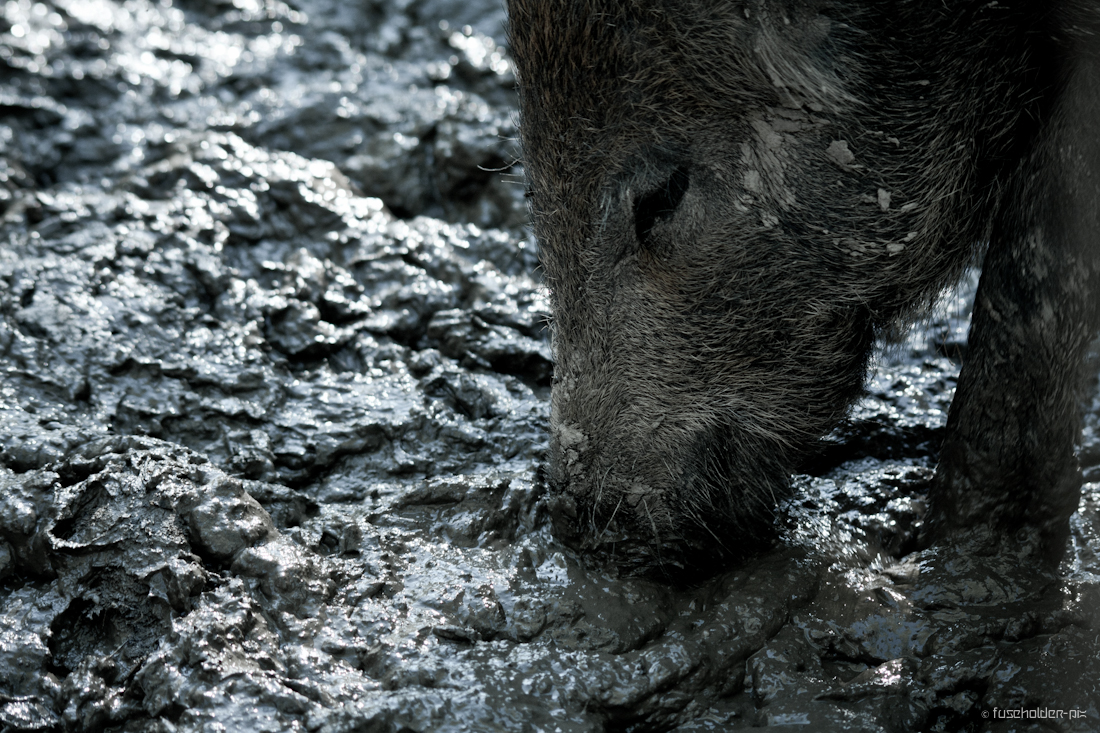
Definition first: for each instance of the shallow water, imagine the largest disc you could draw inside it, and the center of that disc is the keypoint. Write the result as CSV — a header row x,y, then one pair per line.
x,y
273,400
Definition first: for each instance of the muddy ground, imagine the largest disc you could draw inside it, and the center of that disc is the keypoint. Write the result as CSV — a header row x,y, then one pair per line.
x,y
273,401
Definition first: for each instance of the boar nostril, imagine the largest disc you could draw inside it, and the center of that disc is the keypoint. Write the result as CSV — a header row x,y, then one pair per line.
x,y
659,204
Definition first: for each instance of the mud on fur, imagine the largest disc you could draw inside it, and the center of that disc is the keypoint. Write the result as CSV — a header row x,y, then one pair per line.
x,y
733,200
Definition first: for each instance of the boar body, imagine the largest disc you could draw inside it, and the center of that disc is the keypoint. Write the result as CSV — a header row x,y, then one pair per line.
x,y
734,200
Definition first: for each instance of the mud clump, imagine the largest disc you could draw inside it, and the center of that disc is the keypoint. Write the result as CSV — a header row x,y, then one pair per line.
x,y
274,386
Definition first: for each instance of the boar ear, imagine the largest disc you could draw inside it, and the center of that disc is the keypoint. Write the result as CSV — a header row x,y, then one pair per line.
x,y
660,203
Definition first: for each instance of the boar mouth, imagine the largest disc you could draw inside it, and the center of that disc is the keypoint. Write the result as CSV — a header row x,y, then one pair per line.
x,y
718,511
733,481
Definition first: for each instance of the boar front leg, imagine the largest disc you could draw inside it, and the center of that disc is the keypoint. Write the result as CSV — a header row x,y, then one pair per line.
x,y
1009,458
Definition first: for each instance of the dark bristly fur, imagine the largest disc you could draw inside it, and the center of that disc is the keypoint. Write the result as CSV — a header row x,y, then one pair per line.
x,y
733,199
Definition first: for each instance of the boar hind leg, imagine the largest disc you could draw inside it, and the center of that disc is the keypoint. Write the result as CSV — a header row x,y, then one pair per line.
x,y
1009,458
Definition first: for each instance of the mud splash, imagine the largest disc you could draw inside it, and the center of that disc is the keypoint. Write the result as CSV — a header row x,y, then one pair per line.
x,y
273,406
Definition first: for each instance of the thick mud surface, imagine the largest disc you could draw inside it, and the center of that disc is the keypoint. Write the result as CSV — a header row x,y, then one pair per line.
x,y
273,401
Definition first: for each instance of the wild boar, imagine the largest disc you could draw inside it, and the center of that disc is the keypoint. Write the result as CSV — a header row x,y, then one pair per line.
x,y
735,198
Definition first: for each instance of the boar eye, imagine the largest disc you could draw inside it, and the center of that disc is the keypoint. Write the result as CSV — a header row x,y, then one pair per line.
x,y
659,204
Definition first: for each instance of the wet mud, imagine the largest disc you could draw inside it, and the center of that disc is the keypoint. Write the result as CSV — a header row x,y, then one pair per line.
x,y
274,380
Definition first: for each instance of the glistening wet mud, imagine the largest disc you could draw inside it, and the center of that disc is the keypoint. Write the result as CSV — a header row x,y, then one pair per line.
x,y
273,403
